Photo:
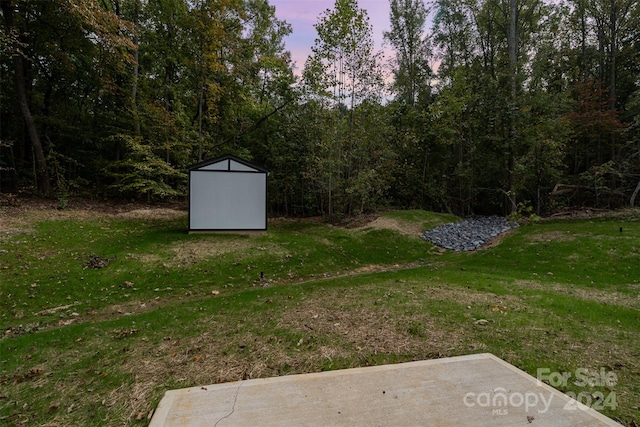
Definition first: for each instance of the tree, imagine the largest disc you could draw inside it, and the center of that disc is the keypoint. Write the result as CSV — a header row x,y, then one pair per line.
x,y
452,35
137,6
614,20
264,75
631,150
594,126
491,43
608,31
343,65
453,120
122,95
20,78
71,53
412,73
341,76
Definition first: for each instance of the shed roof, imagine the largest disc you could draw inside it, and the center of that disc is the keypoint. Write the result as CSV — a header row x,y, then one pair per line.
x,y
229,159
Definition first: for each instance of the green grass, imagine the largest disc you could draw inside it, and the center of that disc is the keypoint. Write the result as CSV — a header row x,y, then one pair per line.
x,y
99,346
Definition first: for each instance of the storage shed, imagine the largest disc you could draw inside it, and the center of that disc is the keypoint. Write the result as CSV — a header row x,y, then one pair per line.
x,y
227,194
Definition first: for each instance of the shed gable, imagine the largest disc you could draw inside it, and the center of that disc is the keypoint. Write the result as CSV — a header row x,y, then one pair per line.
x,y
227,194
228,163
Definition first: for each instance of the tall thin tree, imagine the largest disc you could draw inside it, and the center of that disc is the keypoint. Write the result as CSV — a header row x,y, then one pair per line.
x,y
411,64
40,166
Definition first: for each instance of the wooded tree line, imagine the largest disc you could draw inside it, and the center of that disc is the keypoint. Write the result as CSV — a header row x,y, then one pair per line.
x,y
486,106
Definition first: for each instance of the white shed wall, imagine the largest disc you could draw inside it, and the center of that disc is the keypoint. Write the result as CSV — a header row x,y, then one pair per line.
x,y
227,201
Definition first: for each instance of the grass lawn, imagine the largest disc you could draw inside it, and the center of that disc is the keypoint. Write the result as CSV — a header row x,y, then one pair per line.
x,y
101,313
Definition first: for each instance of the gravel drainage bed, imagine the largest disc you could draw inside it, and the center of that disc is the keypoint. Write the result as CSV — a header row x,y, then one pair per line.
x,y
469,234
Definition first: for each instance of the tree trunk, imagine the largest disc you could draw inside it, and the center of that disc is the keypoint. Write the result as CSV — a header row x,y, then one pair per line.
x,y
200,112
635,193
613,35
512,41
136,69
40,163
583,36
600,24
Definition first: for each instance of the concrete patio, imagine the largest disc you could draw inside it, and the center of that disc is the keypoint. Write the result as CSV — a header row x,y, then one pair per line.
x,y
474,390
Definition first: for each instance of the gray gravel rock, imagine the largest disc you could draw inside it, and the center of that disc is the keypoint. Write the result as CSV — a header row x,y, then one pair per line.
x,y
469,234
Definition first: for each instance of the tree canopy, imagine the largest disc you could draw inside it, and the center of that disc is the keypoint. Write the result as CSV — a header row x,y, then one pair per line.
x,y
486,106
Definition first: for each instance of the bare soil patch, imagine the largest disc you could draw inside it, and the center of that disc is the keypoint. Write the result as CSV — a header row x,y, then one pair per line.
x,y
496,240
586,213
22,220
369,328
406,228
552,236
466,297
152,213
194,251
330,327
23,213
605,297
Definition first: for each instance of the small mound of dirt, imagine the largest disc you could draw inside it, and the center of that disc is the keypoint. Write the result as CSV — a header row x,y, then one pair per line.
x,y
406,228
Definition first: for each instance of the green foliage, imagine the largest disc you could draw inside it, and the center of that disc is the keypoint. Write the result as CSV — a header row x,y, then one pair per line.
x,y
412,73
191,79
350,160
144,172
343,65
125,95
524,142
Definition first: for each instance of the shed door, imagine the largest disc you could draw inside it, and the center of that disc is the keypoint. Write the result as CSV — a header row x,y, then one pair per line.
x,y
227,201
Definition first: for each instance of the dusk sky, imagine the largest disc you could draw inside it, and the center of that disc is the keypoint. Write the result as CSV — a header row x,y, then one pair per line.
x,y
303,14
